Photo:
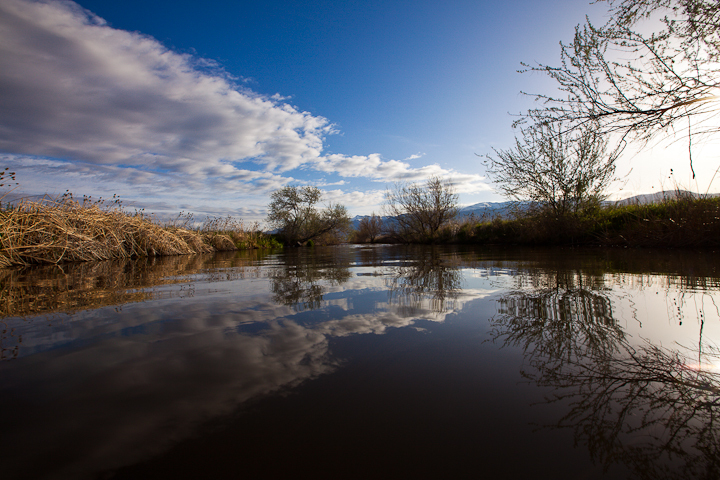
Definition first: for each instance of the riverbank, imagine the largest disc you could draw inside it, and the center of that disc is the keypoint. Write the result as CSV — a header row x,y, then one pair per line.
x,y
683,222
68,230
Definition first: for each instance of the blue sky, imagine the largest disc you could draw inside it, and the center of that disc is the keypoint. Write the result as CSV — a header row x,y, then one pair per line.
x,y
210,106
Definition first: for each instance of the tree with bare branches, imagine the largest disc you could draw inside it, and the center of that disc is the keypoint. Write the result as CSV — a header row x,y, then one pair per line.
x,y
369,228
635,84
564,172
293,210
419,211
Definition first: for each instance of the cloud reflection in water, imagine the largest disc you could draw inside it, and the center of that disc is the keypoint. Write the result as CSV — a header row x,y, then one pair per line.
x,y
140,356
99,388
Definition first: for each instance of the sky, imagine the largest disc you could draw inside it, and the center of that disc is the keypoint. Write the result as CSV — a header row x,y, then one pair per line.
x,y
209,107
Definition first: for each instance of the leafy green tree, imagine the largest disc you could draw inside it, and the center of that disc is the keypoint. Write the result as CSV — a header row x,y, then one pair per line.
x,y
294,212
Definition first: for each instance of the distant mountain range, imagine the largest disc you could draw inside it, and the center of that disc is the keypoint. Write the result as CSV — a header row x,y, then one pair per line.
x,y
659,197
491,210
486,209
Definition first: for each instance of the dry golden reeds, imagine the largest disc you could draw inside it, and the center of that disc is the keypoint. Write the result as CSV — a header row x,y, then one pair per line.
x,y
61,230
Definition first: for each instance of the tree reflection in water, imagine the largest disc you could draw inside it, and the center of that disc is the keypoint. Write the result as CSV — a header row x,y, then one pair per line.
x,y
652,408
305,276
431,277
302,279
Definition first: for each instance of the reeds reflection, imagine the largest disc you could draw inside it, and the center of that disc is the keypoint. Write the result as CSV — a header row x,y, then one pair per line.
x,y
650,407
39,295
88,285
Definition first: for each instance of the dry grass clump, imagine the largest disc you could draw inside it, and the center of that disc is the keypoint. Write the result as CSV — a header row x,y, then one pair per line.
x,y
220,242
66,230
226,233
223,233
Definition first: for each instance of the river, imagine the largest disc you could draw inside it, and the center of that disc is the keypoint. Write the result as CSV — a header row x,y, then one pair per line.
x,y
364,362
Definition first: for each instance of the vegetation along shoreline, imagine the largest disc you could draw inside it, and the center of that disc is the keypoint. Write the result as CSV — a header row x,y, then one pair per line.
x,y
69,230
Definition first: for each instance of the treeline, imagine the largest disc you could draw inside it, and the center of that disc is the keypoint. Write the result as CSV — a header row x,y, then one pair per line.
x,y
415,214
684,220
70,230
427,214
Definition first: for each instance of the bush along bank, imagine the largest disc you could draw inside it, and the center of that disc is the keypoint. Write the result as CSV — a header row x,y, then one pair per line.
x,y
682,222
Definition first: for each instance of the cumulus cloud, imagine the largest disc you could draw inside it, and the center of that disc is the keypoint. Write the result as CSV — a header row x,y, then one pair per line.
x,y
72,87
355,198
150,190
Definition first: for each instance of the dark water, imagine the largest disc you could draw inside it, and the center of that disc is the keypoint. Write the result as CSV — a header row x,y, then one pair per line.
x,y
349,362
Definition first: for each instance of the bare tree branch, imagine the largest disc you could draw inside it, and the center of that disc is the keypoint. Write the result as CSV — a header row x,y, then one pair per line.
x,y
420,211
638,85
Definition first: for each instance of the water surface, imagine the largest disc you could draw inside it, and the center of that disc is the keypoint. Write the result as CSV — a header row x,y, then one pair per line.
x,y
347,362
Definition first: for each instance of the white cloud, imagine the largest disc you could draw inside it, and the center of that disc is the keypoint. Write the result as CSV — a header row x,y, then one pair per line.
x,y
72,87
356,199
164,193
323,183
374,167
